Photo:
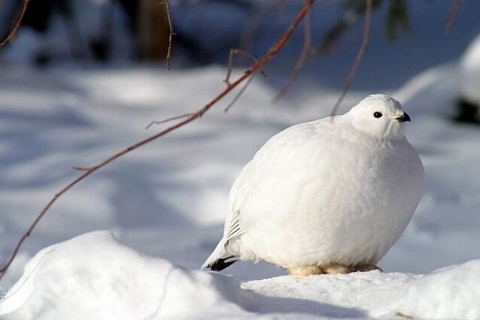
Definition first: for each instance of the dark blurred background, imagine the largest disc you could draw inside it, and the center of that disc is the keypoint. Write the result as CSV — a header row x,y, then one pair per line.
x,y
119,32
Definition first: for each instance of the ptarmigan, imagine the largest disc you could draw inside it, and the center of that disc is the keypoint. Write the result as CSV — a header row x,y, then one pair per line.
x,y
328,196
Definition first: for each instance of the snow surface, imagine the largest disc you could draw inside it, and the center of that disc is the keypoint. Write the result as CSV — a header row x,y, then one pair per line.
x,y
168,199
450,293
95,277
93,270
470,66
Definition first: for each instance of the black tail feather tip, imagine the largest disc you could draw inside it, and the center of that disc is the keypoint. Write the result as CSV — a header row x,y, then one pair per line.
x,y
221,264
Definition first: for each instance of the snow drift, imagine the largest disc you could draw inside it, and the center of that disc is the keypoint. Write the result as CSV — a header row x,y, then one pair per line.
x,y
449,293
95,277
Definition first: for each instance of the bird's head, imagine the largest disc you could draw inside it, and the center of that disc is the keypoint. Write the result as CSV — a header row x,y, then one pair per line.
x,y
380,116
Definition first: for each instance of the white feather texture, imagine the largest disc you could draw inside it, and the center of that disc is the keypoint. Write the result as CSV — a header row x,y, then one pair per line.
x,y
332,191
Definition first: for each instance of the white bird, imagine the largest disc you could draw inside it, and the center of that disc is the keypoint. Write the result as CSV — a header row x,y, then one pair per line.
x,y
328,196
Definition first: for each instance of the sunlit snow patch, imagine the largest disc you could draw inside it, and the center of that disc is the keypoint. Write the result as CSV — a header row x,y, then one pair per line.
x,y
94,277
449,293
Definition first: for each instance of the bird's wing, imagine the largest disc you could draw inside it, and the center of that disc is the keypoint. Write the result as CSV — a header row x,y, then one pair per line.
x,y
281,151
234,230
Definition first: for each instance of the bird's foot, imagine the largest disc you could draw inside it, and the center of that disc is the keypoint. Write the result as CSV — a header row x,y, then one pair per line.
x,y
336,269
305,271
315,270
331,269
365,268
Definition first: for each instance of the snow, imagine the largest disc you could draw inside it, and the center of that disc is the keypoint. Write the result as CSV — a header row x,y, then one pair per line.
x,y
94,277
470,67
453,293
166,201
92,270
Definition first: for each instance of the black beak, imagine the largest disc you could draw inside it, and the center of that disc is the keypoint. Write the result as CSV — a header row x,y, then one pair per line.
x,y
403,118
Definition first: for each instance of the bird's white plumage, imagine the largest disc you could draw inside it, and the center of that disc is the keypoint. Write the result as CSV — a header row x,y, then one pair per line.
x,y
332,191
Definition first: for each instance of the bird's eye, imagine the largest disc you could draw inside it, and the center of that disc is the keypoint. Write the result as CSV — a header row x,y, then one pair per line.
x,y
377,114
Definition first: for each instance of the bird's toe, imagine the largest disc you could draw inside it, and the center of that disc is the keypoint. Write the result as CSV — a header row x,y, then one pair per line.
x,y
336,269
305,271
366,268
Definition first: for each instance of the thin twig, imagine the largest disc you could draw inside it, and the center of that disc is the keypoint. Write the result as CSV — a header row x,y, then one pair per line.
x,y
194,116
358,58
302,58
16,26
239,94
452,14
80,168
171,34
234,52
168,120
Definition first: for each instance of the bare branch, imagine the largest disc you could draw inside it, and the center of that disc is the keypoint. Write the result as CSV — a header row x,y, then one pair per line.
x,y
194,116
239,94
358,58
16,26
452,14
302,58
168,120
234,52
172,32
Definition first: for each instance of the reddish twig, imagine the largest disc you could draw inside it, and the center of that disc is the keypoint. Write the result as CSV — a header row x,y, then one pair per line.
x,y
172,33
452,14
239,94
16,26
358,58
302,58
234,52
168,120
194,116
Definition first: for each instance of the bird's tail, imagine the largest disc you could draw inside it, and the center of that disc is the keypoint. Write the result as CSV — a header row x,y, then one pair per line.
x,y
220,258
